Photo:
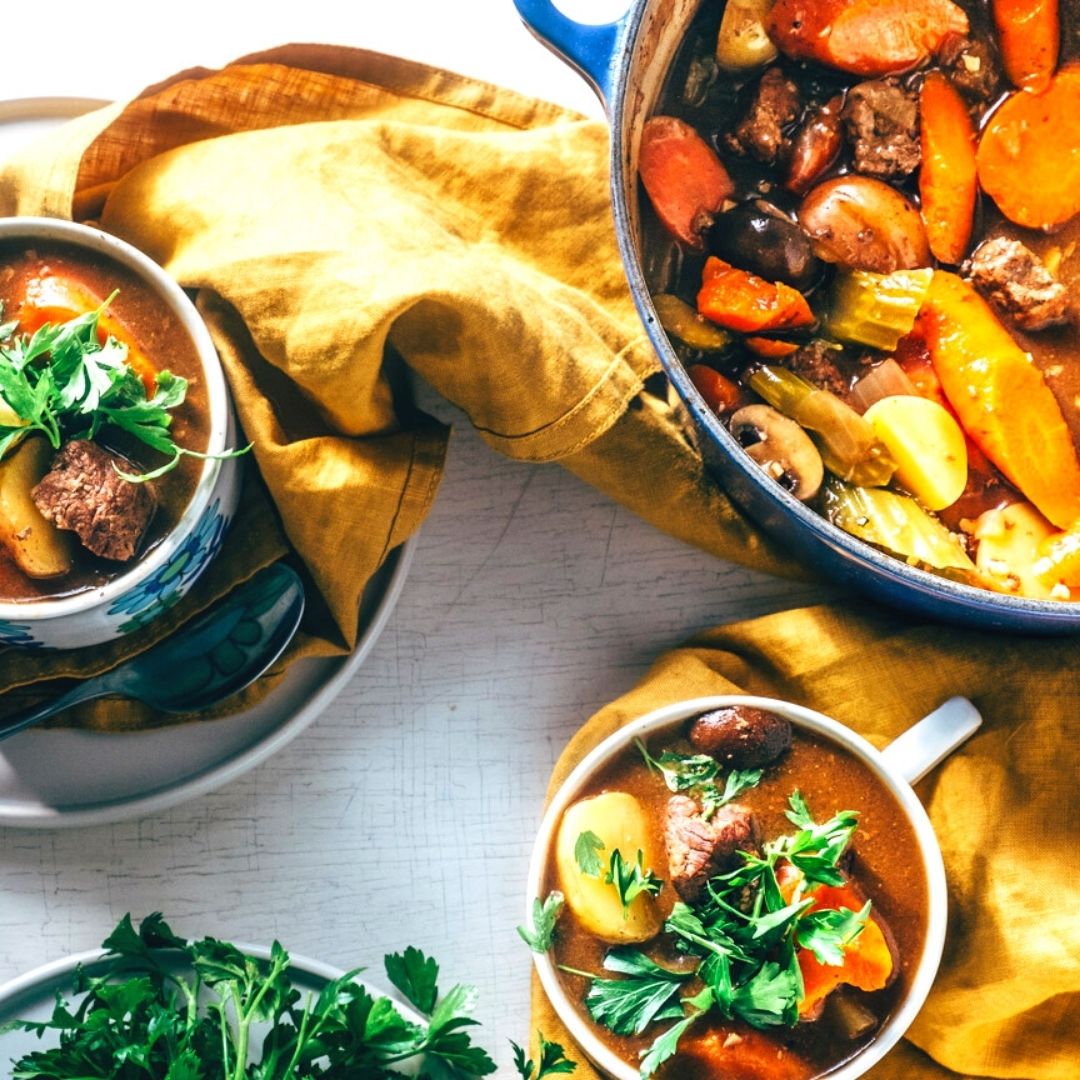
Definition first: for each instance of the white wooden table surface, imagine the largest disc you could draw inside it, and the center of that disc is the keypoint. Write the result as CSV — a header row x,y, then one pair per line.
x,y
405,814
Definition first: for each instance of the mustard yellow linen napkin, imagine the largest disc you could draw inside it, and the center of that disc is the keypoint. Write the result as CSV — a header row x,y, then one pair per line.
x,y
329,205
1005,808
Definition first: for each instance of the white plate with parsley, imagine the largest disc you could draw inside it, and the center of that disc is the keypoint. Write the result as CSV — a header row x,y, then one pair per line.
x,y
150,1003
58,777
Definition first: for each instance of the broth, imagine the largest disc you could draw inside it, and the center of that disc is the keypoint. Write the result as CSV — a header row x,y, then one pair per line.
x,y
162,338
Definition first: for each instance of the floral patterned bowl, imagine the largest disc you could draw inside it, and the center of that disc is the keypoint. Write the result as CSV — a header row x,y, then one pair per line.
x,y
128,602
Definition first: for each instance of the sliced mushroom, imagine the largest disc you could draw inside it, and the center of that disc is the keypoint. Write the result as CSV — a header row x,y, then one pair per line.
x,y
781,448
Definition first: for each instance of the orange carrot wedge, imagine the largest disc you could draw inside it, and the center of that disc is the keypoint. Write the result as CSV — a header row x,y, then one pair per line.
x,y
868,960
1029,153
739,300
1030,35
947,178
683,177
54,299
719,392
1001,397
865,37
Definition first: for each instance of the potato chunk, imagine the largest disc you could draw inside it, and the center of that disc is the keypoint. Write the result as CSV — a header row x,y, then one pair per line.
x,y
39,549
1011,541
927,445
619,820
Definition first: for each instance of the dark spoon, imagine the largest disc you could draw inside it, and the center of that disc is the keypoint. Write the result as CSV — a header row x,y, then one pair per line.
x,y
204,662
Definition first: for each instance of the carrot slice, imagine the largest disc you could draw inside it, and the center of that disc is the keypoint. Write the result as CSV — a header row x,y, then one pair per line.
x,y
948,182
739,300
865,37
684,179
719,392
1029,153
868,960
770,348
1001,397
53,299
1029,32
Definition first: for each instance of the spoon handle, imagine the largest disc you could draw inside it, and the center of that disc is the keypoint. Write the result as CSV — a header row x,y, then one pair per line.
x,y
85,691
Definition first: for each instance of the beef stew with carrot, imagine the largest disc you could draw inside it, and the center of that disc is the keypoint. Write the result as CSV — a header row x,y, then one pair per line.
x,y
741,898
103,420
864,246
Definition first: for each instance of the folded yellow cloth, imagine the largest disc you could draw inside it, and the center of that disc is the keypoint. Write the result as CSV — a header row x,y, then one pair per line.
x,y
1007,999
334,208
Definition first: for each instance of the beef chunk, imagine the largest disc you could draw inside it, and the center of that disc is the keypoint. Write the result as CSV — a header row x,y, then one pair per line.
x,y
82,492
760,133
1018,282
698,849
882,122
740,736
972,66
816,364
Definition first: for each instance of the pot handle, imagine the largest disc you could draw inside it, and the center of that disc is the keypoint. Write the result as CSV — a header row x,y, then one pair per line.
x,y
927,743
588,49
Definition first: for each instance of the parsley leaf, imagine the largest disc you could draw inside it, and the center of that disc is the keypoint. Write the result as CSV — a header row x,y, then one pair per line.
x,y
628,1006
827,933
553,1060
587,850
416,976
700,774
544,917
631,880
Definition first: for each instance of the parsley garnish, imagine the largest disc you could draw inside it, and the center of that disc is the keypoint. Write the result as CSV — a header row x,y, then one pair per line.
x,y
628,1006
744,936
141,1018
544,917
587,850
631,880
700,774
553,1060
62,381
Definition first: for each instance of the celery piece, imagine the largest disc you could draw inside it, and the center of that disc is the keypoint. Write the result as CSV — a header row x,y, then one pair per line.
x,y
875,309
849,446
896,523
681,321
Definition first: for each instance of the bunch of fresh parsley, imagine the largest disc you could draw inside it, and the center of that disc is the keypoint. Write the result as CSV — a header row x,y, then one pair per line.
x,y
65,383
238,1018
744,937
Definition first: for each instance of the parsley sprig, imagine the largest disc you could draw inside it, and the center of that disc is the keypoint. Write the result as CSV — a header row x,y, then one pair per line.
x,y
553,1060
64,382
700,774
146,1017
545,914
629,879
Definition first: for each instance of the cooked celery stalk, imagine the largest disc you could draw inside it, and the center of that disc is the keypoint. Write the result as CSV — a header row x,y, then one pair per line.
x,y
894,522
849,447
876,309
681,321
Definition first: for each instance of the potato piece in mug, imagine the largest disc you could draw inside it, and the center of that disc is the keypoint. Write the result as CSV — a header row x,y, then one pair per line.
x,y
39,549
617,820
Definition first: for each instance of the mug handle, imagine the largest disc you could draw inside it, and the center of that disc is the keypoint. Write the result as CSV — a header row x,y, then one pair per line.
x,y
932,739
590,50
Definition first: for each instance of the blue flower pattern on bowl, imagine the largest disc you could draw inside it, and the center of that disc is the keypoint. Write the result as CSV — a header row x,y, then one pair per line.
x,y
167,585
17,634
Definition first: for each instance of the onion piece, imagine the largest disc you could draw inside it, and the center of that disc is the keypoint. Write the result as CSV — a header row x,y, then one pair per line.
x,y
887,379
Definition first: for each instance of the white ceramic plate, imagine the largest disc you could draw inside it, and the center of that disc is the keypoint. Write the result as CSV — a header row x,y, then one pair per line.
x,y
56,778
32,996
